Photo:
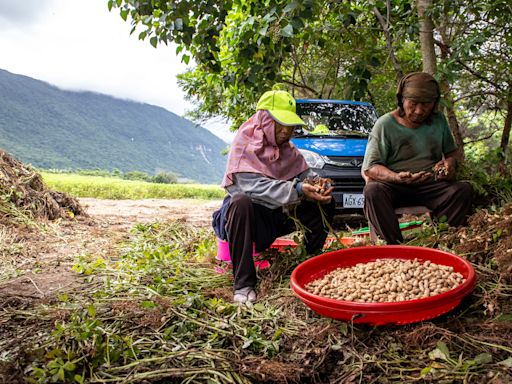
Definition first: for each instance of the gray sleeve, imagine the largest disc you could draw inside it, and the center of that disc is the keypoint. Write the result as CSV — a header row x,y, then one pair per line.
x,y
268,192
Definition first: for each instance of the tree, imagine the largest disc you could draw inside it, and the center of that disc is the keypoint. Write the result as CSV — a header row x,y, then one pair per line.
x,y
335,49
475,41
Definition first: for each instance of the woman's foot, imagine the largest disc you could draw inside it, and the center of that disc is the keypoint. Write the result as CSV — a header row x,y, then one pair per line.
x,y
245,295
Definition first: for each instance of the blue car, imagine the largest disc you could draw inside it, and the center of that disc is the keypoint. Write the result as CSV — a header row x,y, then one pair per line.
x,y
333,144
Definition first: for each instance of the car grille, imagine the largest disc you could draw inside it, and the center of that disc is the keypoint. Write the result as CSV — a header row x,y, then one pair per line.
x,y
344,178
348,184
348,162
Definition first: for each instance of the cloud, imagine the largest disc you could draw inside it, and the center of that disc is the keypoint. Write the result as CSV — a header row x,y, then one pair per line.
x,y
22,11
82,46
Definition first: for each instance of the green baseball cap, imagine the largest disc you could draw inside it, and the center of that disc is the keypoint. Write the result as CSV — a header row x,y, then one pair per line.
x,y
281,106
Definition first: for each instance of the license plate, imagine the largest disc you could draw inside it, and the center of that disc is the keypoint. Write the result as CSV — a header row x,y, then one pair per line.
x,y
353,200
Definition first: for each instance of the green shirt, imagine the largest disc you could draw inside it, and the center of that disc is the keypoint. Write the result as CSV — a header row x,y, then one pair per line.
x,y
401,148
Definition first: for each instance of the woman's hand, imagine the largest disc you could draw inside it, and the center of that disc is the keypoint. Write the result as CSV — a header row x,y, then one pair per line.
x,y
320,191
445,169
413,178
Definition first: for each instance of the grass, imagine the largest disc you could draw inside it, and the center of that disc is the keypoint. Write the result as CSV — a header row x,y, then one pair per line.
x,y
113,188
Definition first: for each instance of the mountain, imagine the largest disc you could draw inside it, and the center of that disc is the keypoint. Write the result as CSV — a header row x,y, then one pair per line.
x,y
52,128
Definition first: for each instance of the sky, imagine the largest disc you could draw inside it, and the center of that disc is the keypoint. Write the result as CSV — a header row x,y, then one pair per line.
x,y
80,45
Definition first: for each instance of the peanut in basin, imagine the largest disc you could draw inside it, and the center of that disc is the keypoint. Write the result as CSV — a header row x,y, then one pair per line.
x,y
387,280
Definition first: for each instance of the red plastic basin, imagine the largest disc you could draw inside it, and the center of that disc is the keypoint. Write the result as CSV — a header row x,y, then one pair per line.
x,y
403,312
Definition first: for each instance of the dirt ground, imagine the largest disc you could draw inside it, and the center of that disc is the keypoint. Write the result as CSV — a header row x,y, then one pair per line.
x,y
126,213
36,264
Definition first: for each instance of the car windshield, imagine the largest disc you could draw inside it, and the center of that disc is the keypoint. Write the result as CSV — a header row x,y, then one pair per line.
x,y
336,118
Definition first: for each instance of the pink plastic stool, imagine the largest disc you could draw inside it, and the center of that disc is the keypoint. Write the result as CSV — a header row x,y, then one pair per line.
x,y
223,248
223,251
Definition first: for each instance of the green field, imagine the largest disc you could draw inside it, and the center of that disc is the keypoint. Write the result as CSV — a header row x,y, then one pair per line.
x,y
115,188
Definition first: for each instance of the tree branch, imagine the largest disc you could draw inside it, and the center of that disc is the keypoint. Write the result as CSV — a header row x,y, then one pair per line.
x,y
301,86
478,76
471,95
447,51
389,43
481,138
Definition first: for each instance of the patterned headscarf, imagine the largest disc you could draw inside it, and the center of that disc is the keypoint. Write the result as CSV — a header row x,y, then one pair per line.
x,y
254,149
420,87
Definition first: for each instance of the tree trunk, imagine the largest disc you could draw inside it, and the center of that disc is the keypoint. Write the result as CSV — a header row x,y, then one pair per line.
x,y
452,118
428,53
505,137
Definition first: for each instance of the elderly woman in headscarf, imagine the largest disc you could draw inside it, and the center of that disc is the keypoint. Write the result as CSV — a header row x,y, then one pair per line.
x,y
266,191
411,159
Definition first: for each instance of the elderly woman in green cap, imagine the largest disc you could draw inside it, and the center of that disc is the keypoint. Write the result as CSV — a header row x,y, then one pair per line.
x,y
411,159
266,191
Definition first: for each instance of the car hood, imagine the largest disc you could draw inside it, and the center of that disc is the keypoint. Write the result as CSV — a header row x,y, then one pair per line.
x,y
332,146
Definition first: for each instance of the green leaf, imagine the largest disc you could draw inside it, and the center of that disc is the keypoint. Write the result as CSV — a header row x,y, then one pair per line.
x,y
443,348
54,353
109,5
287,31
69,366
91,310
185,59
425,371
263,30
506,362
290,7
79,379
64,297
483,358
277,334
147,304
441,352
153,41
297,23
124,14
119,2
496,235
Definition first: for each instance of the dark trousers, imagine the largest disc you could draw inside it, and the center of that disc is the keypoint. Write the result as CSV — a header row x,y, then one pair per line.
x,y
443,198
249,223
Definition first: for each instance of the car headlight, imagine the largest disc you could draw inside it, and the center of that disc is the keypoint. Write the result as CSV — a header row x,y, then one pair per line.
x,y
313,159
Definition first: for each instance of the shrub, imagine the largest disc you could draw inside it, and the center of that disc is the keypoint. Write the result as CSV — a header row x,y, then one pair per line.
x,y
164,178
491,177
136,175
